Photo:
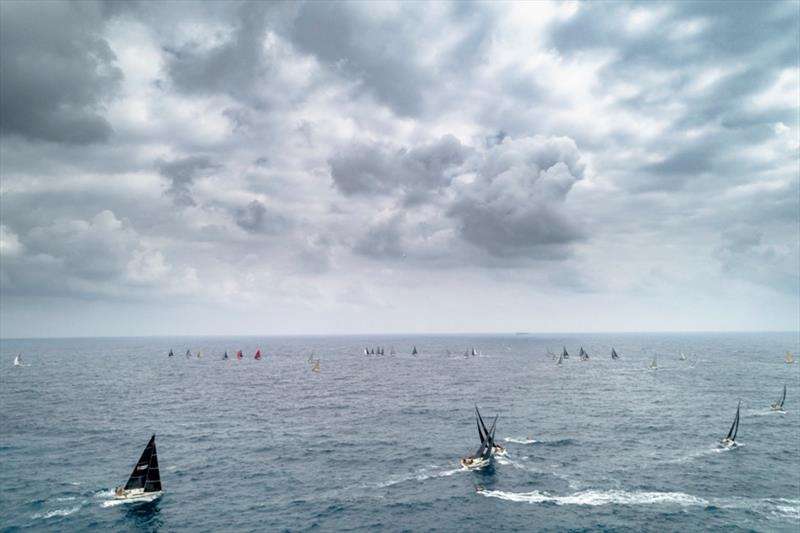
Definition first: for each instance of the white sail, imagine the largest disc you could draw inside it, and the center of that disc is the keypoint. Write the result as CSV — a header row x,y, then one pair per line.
x,y
654,363
17,361
683,356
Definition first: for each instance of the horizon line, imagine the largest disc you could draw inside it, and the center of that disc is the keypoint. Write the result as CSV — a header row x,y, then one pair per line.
x,y
407,334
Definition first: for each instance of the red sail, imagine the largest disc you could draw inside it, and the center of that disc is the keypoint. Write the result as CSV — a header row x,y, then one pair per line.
x,y
239,354
258,354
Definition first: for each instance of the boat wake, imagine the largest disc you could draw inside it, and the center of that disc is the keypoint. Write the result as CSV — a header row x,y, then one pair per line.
x,y
780,508
422,474
516,440
56,512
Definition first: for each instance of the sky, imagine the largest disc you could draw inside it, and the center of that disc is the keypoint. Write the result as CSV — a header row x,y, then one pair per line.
x,y
228,168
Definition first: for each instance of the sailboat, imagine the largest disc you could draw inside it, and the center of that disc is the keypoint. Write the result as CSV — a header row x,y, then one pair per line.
x,y
560,359
225,356
474,353
653,363
682,357
315,368
414,351
188,354
778,406
198,354
239,355
730,439
614,354
583,355
788,359
145,481
565,353
18,360
170,354
257,355
487,450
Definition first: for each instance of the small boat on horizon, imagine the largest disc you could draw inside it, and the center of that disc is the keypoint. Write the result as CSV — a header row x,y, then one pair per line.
x,y
564,353
614,355
653,363
239,355
730,439
414,351
583,354
682,357
145,481
778,406
188,354
18,360
257,355
788,359
225,356
315,367
170,354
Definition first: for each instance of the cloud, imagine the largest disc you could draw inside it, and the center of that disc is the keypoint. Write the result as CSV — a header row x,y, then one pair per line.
x,y
416,173
58,72
743,254
256,218
515,204
181,174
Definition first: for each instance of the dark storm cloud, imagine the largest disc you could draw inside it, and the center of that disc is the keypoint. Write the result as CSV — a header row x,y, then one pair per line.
x,y
57,72
370,169
515,205
234,67
181,173
256,218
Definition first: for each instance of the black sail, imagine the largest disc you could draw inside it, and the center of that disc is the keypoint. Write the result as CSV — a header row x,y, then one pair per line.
x,y
783,398
145,474
735,426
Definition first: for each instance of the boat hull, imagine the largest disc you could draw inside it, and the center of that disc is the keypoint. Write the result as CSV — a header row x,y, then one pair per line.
x,y
138,495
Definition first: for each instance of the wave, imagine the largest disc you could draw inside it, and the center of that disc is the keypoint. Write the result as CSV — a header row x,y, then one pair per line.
x,y
781,508
57,512
520,440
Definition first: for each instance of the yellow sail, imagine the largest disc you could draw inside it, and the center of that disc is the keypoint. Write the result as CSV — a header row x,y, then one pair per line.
x,y
788,359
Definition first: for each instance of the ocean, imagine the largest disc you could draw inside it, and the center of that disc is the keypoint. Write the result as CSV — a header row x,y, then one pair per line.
x,y
373,443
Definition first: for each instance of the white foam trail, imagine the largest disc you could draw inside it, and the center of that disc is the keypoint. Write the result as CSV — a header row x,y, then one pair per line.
x,y
520,440
421,475
598,497
781,508
66,499
57,512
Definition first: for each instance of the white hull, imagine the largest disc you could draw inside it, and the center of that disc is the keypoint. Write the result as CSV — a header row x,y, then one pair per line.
x,y
728,443
137,494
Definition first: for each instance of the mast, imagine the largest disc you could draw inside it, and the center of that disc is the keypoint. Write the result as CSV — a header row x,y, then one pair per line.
x,y
145,474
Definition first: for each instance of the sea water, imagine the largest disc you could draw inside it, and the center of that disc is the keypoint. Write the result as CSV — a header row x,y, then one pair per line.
x,y
373,443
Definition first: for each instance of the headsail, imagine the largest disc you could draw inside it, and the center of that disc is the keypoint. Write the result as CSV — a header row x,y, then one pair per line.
x,y
145,474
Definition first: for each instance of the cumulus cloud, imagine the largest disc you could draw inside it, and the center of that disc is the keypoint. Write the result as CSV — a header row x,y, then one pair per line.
x,y
256,218
515,204
416,173
181,174
58,71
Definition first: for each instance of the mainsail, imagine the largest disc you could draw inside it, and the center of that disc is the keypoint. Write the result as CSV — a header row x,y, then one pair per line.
x,y
474,353
565,353
170,354
414,351
779,404
18,360
225,356
614,354
560,359
145,474
735,426
257,356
